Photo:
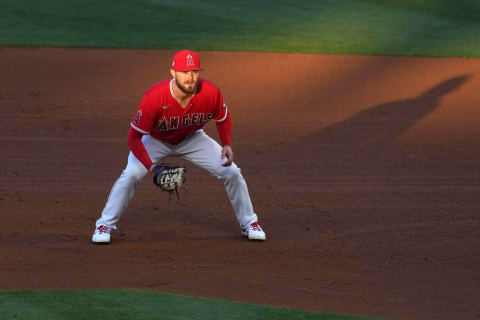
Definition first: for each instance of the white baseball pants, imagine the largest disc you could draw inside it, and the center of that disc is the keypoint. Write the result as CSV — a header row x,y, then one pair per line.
x,y
198,148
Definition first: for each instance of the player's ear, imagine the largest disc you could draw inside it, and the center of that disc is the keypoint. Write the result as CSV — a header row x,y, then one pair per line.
x,y
172,72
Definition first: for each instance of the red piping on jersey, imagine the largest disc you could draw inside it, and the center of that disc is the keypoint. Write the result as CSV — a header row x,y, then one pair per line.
x,y
224,118
138,129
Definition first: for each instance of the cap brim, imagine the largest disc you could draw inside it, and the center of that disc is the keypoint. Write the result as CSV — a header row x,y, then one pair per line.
x,y
187,69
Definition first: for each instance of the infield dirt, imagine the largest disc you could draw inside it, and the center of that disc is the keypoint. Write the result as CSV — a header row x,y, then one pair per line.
x,y
364,172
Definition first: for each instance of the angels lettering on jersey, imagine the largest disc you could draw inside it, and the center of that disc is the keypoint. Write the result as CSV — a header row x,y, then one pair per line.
x,y
161,116
174,123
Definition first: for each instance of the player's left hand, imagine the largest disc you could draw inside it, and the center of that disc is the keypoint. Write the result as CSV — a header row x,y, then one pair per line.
x,y
168,178
227,153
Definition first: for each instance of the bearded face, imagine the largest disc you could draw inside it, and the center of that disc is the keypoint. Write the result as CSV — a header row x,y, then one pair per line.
x,y
187,81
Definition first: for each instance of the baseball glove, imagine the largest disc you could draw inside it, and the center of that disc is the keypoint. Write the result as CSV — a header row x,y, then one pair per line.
x,y
168,178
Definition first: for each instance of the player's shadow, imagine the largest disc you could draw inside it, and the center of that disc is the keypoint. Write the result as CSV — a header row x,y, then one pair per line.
x,y
382,124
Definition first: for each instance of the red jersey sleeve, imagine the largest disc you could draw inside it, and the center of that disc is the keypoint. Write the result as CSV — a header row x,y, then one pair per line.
x,y
224,129
220,111
145,116
138,149
142,124
223,120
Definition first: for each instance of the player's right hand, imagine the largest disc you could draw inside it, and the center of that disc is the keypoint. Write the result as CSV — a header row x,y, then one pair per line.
x,y
227,152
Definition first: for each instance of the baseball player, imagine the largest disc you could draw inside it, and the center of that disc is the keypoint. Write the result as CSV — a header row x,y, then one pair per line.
x,y
169,122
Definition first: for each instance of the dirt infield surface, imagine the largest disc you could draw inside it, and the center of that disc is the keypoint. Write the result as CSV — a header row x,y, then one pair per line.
x,y
364,172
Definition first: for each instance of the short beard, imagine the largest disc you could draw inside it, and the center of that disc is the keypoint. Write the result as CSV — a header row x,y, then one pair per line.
x,y
185,90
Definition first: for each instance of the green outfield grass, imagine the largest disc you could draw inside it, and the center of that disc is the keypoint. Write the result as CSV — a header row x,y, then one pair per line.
x,y
136,304
367,27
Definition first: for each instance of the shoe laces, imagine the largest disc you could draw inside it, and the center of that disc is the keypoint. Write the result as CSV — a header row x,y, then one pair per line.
x,y
103,229
255,226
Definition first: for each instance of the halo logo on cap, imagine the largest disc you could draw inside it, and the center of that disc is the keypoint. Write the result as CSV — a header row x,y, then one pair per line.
x,y
186,60
190,61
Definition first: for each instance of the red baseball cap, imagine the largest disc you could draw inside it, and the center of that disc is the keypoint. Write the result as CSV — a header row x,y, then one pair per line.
x,y
186,60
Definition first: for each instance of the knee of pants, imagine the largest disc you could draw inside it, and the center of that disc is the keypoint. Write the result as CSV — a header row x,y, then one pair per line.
x,y
133,175
231,173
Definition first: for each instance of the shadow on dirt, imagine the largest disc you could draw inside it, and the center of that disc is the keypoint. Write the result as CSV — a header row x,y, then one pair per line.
x,y
365,144
382,124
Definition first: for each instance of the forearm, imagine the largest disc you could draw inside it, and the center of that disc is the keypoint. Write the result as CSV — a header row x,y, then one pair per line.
x,y
224,129
135,145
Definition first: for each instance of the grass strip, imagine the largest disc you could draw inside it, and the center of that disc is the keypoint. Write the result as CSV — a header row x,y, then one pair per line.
x,y
138,304
367,27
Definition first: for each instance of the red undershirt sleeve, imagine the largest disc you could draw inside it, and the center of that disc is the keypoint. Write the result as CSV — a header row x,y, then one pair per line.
x,y
224,129
138,149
